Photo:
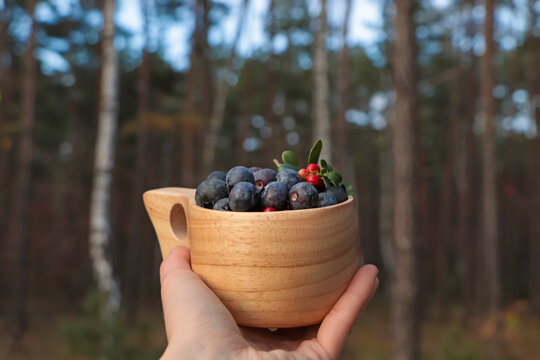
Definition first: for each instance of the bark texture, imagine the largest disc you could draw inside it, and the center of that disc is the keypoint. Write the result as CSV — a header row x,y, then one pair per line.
x,y
222,91
489,291
137,213
321,129
100,227
343,82
404,285
533,76
464,172
20,202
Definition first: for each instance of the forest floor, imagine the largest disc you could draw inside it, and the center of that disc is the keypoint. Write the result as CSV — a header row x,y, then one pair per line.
x,y
57,333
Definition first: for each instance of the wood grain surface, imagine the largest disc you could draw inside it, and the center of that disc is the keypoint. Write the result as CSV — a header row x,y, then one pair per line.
x,y
276,269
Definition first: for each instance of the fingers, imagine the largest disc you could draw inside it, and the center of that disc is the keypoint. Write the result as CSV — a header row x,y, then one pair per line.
x,y
337,325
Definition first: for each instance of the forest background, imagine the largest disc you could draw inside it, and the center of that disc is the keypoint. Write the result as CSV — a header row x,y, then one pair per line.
x,y
431,109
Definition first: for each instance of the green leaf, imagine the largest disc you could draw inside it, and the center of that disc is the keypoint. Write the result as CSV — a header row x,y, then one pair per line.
x,y
324,164
315,152
288,166
326,182
289,157
335,177
349,188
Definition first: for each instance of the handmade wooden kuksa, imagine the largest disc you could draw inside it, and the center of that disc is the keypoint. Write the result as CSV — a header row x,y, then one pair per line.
x,y
271,269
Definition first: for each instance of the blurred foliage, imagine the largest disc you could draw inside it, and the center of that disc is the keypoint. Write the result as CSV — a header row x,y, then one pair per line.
x,y
89,336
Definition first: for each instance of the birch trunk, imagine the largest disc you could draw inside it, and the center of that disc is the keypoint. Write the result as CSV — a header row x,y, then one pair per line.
x,y
20,202
103,166
216,121
404,284
321,128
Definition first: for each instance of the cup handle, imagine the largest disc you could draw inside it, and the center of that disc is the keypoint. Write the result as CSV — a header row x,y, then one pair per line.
x,y
168,209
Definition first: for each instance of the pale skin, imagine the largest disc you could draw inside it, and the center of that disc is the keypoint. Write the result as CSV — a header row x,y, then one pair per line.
x,y
199,326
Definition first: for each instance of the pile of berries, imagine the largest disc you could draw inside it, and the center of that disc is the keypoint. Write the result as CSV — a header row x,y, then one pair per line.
x,y
256,189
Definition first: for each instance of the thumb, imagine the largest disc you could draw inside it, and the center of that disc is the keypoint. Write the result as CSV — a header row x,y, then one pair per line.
x,y
188,304
177,260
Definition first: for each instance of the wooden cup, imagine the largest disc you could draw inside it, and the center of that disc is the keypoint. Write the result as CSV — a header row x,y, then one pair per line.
x,y
271,269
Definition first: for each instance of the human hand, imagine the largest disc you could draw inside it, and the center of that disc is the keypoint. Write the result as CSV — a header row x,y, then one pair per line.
x,y
199,326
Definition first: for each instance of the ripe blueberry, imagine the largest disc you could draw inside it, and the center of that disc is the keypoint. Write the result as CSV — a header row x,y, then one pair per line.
x,y
303,196
264,177
340,193
326,199
222,204
220,175
244,197
288,177
209,192
239,174
274,195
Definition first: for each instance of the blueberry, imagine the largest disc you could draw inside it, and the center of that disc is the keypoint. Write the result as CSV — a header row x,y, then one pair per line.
x,y
274,196
264,177
340,193
326,199
303,196
209,192
217,175
222,204
254,169
288,177
244,197
239,174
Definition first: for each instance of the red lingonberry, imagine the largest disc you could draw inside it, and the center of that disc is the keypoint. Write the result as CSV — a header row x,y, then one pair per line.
x,y
313,168
269,209
315,180
303,173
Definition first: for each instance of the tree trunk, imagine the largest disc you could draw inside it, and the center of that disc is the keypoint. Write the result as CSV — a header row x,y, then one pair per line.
x,y
386,208
464,171
103,167
216,121
444,250
489,245
464,163
533,75
5,138
137,216
343,82
269,146
404,317
488,289
20,202
321,129
198,97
